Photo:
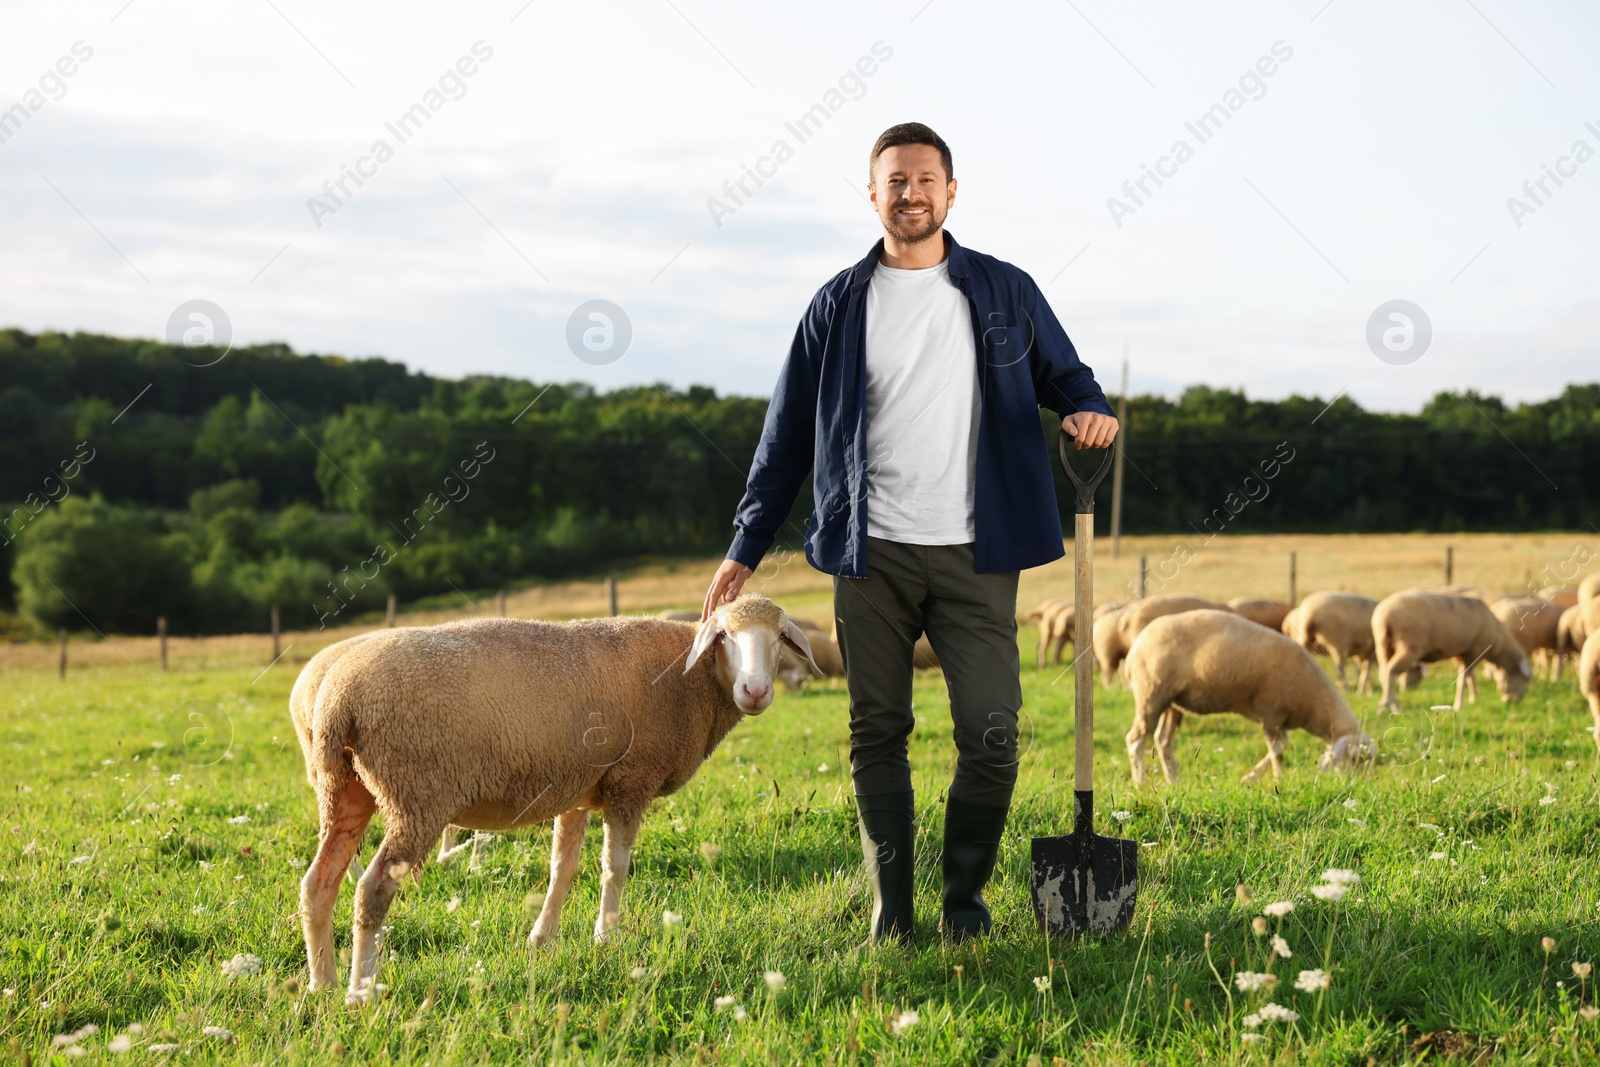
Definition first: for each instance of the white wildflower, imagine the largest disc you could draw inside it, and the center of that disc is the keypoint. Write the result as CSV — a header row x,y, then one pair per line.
x,y
637,972
239,820
1438,855
739,1013
1313,981
775,981
710,852
75,1036
724,1002
1546,800
1250,981
455,902
1281,947
30,848
74,861
1278,909
1589,1012
1042,983
671,919
221,1033
1359,822
1331,892
1582,970
1277,1012
1340,876
120,1043
1122,816
822,768
165,1046
1252,1021
904,1021
1352,803
1437,780
1252,1039
241,965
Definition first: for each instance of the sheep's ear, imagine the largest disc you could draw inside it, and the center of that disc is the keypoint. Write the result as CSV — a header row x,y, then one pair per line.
x,y
709,631
796,638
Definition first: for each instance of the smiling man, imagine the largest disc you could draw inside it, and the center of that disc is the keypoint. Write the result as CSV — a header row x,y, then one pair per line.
x,y
912,390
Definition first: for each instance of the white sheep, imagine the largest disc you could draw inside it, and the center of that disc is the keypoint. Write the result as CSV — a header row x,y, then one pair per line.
x,y
1589,588
495,723
1132,620
1559,595
1206,662
795,671
1268,613
1589,679
1535,623
1412,628
1575,626
1059,626
1339,625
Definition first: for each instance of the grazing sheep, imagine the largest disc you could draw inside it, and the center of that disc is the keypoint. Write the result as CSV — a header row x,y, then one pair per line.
x,y
795,672
1559,595
1108,645
1132,621
1413,628
1575,626
1534,622
494,723
1339,625
1208,661
1589,588
1043,608
1589,679
1268,613
1056,627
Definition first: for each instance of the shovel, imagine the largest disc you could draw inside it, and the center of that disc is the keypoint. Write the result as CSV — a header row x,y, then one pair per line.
x,y
1082,882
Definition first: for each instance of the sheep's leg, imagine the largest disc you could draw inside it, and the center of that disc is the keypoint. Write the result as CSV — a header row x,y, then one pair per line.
x,y
565,846
1364,677
1594,710
1339,663
622,829
403,850
319,889
447,846
1167,742
1044,644
1462,677
1273,760
1146,716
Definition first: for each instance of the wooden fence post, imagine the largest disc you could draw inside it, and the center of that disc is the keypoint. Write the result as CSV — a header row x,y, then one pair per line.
x,y
1143,570
1293,578
161,638
388,618
1449,565
611,589
275,652
63,666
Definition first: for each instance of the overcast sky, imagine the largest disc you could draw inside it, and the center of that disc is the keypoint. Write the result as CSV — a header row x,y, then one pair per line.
x,y
576,162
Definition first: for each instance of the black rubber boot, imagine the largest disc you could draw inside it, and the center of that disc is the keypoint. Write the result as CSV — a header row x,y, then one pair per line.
x,y
888,836
972,834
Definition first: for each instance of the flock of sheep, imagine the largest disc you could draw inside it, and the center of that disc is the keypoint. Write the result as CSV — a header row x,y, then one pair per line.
x,y
492,724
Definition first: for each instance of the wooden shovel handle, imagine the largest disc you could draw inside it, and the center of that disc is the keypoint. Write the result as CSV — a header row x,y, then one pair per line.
x,y
1083,627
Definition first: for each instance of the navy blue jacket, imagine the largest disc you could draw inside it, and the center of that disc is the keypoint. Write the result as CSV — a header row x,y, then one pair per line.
x,y
817,422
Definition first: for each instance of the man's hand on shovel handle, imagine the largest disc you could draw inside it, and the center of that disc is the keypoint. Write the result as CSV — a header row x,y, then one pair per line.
x,y
1090,429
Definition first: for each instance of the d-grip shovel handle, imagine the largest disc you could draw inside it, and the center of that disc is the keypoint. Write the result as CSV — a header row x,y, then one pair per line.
x,y
1082,646
1085,488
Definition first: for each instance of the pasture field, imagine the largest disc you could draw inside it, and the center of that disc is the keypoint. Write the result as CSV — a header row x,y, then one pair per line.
x,y
156,826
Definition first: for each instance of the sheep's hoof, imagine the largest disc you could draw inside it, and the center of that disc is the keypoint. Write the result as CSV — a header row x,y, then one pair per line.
x,y
540,939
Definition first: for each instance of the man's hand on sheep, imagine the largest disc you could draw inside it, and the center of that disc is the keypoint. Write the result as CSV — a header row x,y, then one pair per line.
x,y
726,585
1090,429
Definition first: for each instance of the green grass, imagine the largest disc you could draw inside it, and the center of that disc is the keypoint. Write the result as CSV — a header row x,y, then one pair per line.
x,y
171,889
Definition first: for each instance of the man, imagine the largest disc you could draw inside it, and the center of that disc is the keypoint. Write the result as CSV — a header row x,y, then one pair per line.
x,y
912,389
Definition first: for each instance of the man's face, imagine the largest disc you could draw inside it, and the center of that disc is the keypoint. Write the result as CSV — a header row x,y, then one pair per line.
x,y
911,192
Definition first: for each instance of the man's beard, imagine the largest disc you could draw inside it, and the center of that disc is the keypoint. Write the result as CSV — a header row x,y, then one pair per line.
x,y
929,226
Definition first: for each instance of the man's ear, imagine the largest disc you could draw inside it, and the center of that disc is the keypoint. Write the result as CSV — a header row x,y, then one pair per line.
x,y
709,631
796,639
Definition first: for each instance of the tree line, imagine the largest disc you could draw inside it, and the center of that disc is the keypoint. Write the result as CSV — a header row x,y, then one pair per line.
x,y
139,478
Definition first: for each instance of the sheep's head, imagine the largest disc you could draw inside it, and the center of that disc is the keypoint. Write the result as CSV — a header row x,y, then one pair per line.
x,y
748,637
1512,682
1351,749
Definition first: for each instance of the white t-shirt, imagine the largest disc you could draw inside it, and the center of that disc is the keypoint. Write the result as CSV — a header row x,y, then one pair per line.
x,y
922,408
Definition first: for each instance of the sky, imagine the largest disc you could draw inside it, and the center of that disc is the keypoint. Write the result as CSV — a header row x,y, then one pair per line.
x,y
1360,153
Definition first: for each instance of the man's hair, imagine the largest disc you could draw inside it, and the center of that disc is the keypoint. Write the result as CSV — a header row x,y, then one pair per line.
x,y
909,133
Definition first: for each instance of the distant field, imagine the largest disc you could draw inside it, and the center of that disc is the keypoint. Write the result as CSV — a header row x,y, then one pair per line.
x,y
1227,566
157,825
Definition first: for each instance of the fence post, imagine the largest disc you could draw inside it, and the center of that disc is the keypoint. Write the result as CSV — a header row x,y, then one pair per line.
x,y
63,666
275,633
1449,564
1293,577
161,638
611,590
502,603
1116,470
1143,569
388,618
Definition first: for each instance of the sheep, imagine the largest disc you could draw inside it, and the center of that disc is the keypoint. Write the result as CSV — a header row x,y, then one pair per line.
x,y
1043,608
1131,623
1575,626
1209,661
1108,646
1559,595
302,701
1589,679
1589,588
1339,625
494,723
1269,613
673,615
1413,628
795,672
1056,629
1534,622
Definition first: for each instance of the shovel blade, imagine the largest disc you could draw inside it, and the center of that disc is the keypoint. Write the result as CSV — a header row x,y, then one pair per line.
x,y
1084,884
